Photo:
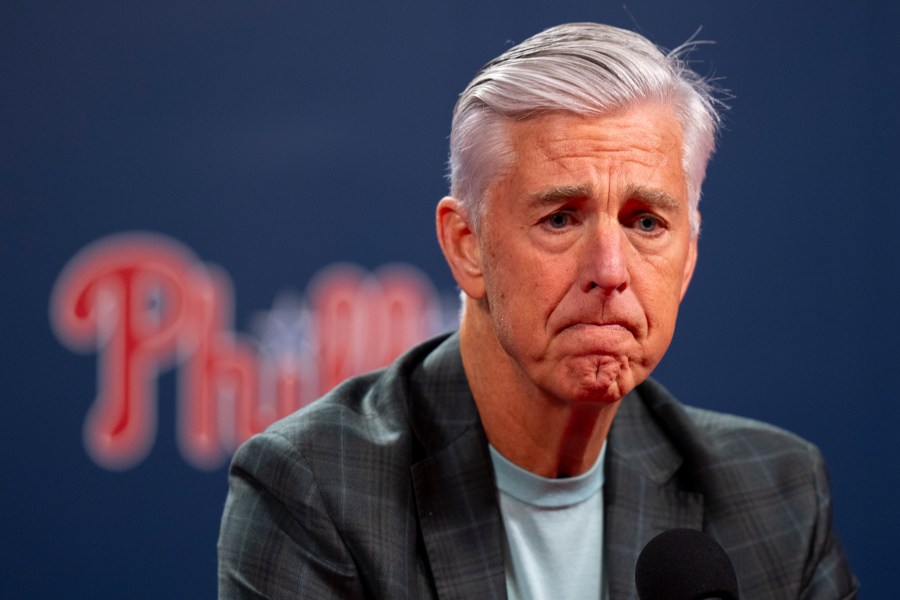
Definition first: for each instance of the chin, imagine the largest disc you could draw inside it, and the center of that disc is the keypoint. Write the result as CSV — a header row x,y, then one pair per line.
x,y
599,380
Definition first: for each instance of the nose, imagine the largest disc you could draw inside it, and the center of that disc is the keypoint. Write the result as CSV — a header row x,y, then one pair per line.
x,y
605,259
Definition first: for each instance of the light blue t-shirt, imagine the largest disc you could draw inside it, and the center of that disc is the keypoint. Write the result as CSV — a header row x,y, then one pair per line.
x,y
554,532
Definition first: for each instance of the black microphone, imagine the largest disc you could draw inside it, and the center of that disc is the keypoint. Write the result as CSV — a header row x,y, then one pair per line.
x,y
685,564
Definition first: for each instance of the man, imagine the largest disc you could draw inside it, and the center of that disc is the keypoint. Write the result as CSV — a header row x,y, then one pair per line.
x,y
529,455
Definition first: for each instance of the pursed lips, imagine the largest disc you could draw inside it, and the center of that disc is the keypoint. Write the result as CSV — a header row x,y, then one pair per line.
x,y
607,325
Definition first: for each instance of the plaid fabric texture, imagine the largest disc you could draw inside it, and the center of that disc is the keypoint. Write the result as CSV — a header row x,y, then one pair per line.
x,y
384,489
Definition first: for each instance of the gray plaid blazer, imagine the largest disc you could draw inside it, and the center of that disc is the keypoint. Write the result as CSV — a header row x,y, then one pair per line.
x,y
384,489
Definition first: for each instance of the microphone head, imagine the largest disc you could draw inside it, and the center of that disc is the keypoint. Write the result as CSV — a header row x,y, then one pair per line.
x,y
684,564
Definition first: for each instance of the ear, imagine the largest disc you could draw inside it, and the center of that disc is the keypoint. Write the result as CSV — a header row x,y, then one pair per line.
x,y
690,263
460,246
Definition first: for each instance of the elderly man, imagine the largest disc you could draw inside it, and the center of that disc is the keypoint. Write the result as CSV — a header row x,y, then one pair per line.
x,y
529,455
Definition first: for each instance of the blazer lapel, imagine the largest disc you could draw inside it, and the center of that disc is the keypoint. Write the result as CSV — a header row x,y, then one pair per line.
x,y
453,481
643,496
460,522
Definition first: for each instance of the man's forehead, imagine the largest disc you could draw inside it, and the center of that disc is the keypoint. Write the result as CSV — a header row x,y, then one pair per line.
x,y
650,124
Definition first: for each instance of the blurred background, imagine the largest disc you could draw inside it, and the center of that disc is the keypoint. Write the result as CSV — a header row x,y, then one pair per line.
x,y
216,209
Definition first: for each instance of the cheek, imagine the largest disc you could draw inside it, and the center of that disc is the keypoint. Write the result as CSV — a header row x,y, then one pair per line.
x,y
662,296
662,319
525,279
519,309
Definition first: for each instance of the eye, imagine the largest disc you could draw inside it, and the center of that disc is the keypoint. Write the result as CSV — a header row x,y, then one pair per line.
x,y
558,220
648,223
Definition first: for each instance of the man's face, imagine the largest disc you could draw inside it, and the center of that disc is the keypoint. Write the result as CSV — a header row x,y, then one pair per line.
x,y
586,250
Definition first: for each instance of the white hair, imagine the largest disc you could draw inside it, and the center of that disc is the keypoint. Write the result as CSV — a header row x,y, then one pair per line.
x,y
583,68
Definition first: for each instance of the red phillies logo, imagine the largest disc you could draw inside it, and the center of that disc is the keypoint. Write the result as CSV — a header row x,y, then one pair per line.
x,y
144,303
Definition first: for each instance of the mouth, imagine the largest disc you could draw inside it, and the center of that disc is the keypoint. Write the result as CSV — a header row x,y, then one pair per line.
x,y
599,339
604,326
607,336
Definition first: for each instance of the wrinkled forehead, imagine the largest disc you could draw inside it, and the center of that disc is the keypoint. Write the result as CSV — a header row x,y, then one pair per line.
x,y
557,153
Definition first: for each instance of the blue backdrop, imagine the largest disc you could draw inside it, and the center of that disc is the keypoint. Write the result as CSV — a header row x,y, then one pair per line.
x,y
276,138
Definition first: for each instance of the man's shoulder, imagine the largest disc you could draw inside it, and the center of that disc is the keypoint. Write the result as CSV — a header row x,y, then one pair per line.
x,y
748,454
375,413
371,405
734,450
355,438
725,435
359,403
730,434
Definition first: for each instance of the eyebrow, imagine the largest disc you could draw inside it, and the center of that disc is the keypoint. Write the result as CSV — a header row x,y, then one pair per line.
x,y
650,196
655,197
558,194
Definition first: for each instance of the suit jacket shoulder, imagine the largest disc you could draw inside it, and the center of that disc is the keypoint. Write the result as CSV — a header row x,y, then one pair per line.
x,y
382,488
760,491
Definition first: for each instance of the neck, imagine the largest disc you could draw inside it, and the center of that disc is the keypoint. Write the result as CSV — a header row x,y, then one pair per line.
x,y
548,436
